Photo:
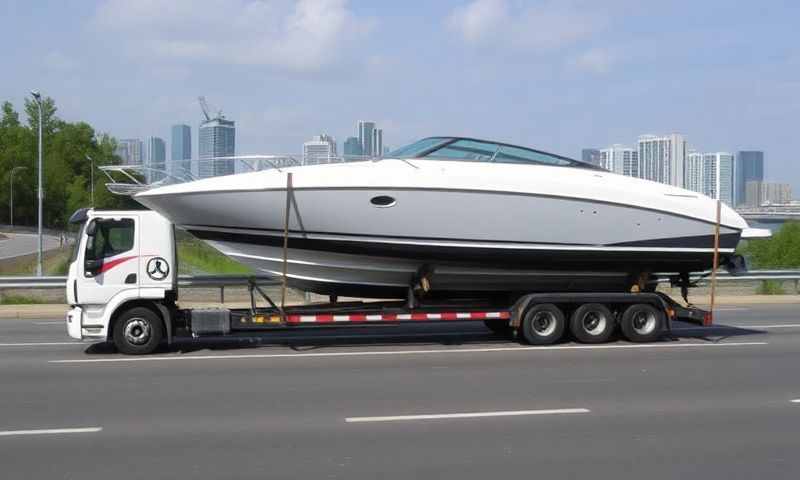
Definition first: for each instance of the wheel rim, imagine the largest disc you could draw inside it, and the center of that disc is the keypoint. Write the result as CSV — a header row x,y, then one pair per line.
x,y
594,322
137,331
643,322
543,324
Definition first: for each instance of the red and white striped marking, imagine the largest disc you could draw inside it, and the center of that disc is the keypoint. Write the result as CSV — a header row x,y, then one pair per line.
x,y
395,317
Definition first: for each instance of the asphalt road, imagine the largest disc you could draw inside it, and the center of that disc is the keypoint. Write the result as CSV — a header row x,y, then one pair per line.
x,y
421,401
18,244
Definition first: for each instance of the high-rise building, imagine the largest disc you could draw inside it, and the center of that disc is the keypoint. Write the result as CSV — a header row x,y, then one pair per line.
x,y
776,193
662,158
181,151
155,159
695,172
620,159
591,155
352,149
129,150
377,142
718,176
749,167
366,133
217,138
320,149
753,193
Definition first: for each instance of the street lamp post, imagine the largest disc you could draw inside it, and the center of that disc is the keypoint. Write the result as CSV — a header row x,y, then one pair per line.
x,y
38,98
91,175
11,195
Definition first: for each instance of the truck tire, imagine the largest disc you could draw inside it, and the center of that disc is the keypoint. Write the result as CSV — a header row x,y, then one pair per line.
x,y
138,331
498,325
543,324
642,323
592,323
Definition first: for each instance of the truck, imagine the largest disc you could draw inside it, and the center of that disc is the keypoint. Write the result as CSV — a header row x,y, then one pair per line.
x,y
122,288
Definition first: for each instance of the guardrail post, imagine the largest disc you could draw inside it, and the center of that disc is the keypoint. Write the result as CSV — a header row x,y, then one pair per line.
x,y
796,289
222,294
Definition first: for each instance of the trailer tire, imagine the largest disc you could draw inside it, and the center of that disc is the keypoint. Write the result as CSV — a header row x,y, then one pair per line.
x,y
592,323
138,331
498,325
543,324
642,323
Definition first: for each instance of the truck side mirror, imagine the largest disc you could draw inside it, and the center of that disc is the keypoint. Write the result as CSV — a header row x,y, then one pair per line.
x,y
91,229
92,267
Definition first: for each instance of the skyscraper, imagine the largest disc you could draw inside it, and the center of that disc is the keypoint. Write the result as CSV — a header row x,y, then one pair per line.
x,y
181,151
366,137
352,149
718,176
662,158
620,159
749,167
217,138
377,142
320,149
695,172
591,155
129,150
155,159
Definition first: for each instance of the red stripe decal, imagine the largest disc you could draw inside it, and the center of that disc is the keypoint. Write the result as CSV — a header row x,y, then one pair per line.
x,y
293,319
477,315
449,316
324,318
419,316
389,317
358,317
113,263
505,314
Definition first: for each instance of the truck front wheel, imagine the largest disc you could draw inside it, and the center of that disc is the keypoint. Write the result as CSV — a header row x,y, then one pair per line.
x,y
138,331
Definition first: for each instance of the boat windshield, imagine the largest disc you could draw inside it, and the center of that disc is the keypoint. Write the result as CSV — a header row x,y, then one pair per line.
x,y
471,150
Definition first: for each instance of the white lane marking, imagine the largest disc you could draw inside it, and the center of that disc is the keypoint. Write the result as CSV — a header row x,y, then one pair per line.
x,y
404,352
777,325
397,418
50,431
38,344
796,400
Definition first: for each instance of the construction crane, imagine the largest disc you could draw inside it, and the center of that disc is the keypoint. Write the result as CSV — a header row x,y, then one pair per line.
x,y
207,110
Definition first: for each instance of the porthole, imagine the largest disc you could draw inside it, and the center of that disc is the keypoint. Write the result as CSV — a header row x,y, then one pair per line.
x,y
383,201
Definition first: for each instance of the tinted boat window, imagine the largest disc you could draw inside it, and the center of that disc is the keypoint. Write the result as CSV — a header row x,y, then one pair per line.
x,y
466,150
520,155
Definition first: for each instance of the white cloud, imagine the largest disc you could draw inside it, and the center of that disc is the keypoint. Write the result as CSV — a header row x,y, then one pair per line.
x,y
57,60
302,35
595,60
539,28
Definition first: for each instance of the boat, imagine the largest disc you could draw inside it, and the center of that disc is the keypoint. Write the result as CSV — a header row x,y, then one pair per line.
x,y
453,214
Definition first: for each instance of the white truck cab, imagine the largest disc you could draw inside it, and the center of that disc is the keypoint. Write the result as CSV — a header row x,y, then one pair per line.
x,y
122,279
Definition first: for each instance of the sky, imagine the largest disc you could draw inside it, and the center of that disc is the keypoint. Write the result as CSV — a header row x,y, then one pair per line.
x,y
555,75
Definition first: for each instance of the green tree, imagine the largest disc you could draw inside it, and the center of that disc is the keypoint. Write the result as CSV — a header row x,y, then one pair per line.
x,y
782,250
67,170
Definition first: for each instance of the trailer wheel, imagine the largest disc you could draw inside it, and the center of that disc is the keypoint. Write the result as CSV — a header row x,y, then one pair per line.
x,y
498,325
592,323
642,323
138,331
543,324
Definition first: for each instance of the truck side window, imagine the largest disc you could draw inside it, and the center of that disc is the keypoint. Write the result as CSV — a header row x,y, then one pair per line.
x,y
111,238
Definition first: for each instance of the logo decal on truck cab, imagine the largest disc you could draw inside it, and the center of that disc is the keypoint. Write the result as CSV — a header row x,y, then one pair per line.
x,y
157,268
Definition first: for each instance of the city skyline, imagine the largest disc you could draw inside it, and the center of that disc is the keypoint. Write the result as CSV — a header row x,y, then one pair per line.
x,y
578,80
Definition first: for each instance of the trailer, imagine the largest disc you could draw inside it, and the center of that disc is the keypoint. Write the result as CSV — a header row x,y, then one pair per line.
x,y
122,288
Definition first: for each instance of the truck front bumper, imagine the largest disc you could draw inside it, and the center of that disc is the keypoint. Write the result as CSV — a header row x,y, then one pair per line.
x,y
75,328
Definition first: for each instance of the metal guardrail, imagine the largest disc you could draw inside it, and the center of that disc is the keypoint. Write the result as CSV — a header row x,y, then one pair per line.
x,y
222,281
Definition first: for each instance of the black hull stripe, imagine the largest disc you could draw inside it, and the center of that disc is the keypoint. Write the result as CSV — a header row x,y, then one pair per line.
x,y
609,260
726,241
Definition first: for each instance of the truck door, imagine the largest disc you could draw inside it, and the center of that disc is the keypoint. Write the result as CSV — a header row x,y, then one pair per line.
x,y
110,259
